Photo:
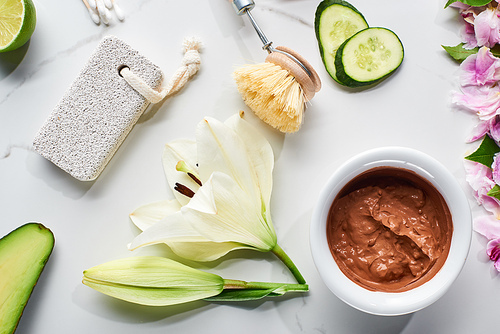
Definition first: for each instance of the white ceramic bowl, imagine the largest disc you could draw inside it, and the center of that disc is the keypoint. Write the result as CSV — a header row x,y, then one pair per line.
x,y
383,303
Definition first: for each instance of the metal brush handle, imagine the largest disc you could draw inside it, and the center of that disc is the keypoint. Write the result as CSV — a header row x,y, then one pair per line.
x,y
243,7
240,6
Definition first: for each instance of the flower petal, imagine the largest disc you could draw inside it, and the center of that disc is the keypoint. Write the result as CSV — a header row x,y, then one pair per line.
x,y
467,32
487,226
480,69
487,27
260,153
221,149
496,168
493,251
147,215
494,128
481,181
478,131
233,217
203,250
152,281
482,100
172,228
184,241
174,152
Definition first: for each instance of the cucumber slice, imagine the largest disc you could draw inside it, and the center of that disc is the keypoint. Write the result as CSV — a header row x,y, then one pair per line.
x,y
368,56
335,22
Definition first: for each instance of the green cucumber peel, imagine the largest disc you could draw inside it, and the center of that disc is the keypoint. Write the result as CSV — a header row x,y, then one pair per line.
x,y
346,72
332,30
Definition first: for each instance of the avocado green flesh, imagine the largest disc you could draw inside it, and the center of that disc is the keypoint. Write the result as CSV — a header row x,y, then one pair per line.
x,y
23,255
336,21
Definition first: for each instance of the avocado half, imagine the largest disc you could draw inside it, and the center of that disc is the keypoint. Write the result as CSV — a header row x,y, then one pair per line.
x,y
23,255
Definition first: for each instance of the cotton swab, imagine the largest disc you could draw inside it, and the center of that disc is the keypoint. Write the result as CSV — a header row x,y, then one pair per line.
x,y
103,11
100,10
118,11
92,13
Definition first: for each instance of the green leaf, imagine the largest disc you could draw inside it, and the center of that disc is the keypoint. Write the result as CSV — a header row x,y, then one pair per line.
x,y
237,295
495,50
494,192
458,52
474,3
449,3
485,152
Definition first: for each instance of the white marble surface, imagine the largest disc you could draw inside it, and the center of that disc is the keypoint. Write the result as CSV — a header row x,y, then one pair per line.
x,y
90,220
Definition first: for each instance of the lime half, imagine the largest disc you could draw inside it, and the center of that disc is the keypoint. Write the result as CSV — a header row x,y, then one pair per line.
x,y
17,23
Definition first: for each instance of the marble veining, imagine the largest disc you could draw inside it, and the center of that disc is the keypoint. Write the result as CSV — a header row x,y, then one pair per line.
x,y
90,219
8,150
292,17
60,54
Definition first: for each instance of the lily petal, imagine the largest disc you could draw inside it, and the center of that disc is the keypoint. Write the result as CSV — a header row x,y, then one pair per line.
x,y
221,149
145,216
172,227
233,216
260,152
203,250
186,242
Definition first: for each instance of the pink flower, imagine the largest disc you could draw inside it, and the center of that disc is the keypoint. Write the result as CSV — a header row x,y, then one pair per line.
x,y
487,27
493,251
479,69
489,227
481,25
467,33
491,126
482,100
495,167
480,178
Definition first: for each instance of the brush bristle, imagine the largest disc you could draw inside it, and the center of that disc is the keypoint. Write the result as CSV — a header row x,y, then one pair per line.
x,y
273,94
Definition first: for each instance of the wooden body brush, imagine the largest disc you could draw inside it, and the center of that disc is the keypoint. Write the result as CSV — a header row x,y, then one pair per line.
x,y
277,90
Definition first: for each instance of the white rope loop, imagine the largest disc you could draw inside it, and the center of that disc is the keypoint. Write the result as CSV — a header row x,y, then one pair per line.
x,y
189,66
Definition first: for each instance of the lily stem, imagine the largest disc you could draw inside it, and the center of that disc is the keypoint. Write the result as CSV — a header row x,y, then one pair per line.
x,y
280,253
243,285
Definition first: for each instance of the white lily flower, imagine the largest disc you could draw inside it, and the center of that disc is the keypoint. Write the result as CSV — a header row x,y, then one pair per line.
x,y
222,184
230,210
